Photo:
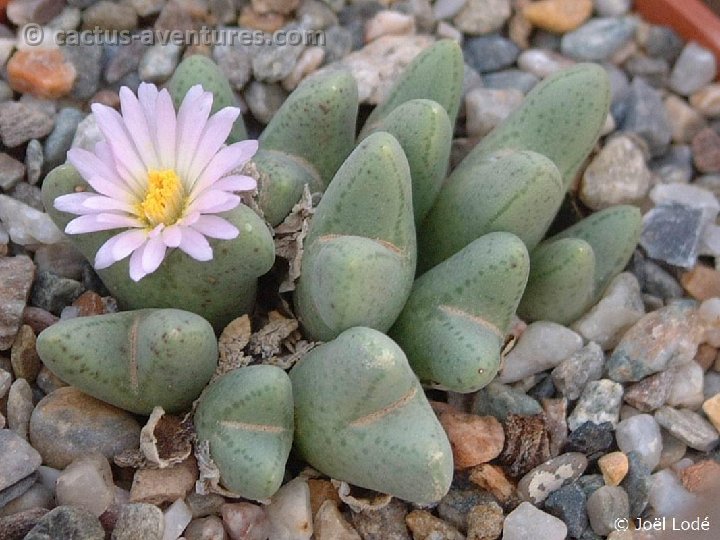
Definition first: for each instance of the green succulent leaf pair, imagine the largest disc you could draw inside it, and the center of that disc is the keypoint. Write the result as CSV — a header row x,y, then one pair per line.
x,y
354,405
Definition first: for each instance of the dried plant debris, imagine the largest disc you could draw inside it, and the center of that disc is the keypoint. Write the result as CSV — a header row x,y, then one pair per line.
x,y
278,342
359,499
231,345
251,200
527,444
289,236
165,440
209,479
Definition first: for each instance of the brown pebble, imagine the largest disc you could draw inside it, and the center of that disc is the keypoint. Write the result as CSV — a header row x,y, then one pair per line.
x,y
16,278
527,444
16,526
711,407
613,466
320,491
558,16
107,97
702,282
485,521
425,526
89,303
492,478
330,524
701,476
68,424
23,355
474,439
706,356
650,393
275,6
38,319
555,410
42,72
706,151
267,22
157,486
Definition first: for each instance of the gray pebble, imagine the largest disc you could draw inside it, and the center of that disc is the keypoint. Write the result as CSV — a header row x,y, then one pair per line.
x,y
141,520
18,459
11,171
569,504
672,233
52,293
646,116
59,141
694,68
544,479
34,161
159,62
264,100
20,122
490,53
598,39
600,402
67,522
571,376
688,426
605,506
500,400
235,61
87,59
511,79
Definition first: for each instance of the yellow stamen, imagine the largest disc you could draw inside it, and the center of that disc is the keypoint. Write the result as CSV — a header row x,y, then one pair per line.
x,y
164,198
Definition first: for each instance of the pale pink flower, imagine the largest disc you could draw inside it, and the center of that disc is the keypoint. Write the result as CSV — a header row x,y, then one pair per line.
x,y
160,176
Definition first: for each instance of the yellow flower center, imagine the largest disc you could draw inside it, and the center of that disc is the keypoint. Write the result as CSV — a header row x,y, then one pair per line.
x,y
164,199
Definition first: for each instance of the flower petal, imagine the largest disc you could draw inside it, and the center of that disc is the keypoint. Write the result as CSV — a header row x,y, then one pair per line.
x,y
73,203
196,245
99,222
123,148
214,135
165,129
191,120
118,247
231,203
126,242
209,199
137,126
99,175
216,227
225,160
153,254
98,202
236,182
172,236
136,268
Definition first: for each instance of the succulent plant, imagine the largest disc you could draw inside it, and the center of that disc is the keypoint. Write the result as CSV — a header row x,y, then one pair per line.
x,y
505,183
424,131
306,141
219,290
247,417
134,360
361,416
453,325
199,69
360,251
570,271
436,74
561,118
516,191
